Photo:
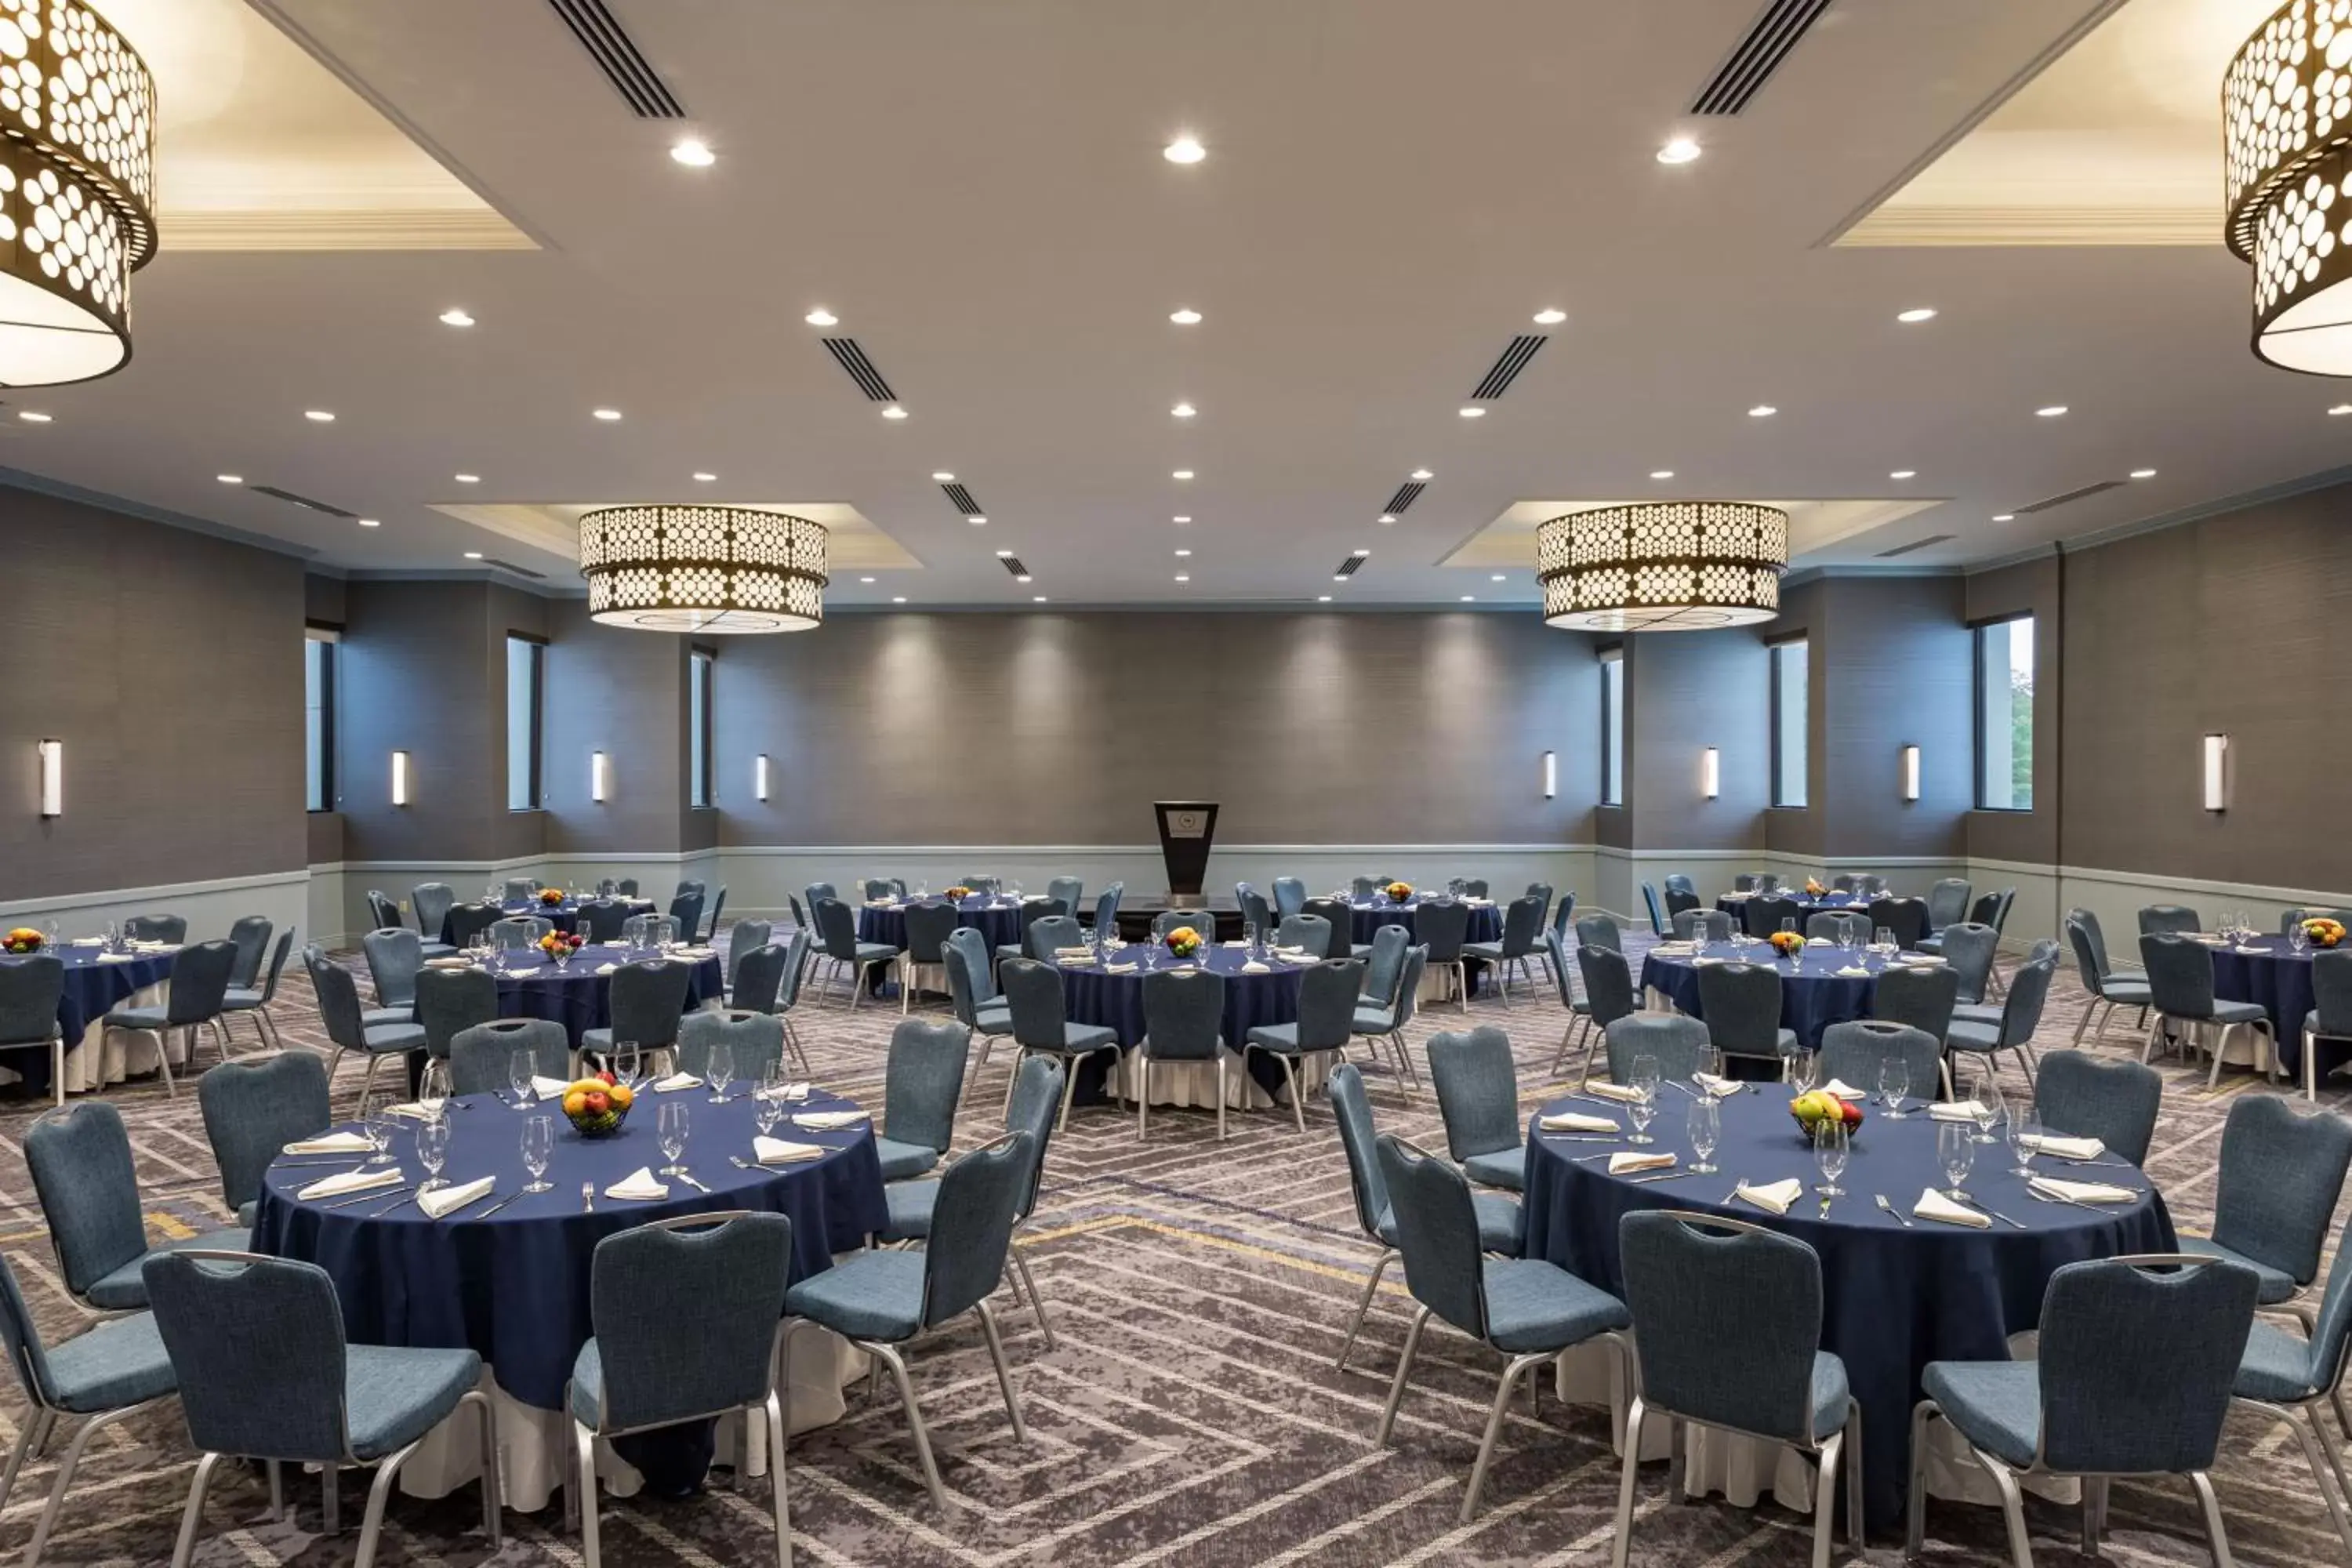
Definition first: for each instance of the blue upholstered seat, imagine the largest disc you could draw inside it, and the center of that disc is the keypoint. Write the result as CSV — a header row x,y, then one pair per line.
x,y
1500,1168
125,1286
393,1395
1533,1305
1479,1097
922,1081
2276,1365
80,1159
2275,1285
1997,1405
117,1362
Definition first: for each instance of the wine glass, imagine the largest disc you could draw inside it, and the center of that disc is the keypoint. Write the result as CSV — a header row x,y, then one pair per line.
x,y
672,1126
1641,1108
433,1150
433,1087
1788,924
627,1063
1803,1069
922,888
1957,1151
2298,939
1830,1148
52,936
768,1107
1989,1107
1894,1083
538,1148
377,1125
1710,1065
1644,1083
1882,940
521,1068
2024,1137
720,1070
1706,1132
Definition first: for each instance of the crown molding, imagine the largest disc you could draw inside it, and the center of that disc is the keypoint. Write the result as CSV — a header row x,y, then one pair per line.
x,y
18,478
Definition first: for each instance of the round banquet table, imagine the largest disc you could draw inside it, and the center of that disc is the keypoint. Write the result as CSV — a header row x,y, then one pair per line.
x,y
514,1285
563,916
1813,995
1892,1299
1736,904
1367,916
1111,993
580,998
95,983
2267,971
995,916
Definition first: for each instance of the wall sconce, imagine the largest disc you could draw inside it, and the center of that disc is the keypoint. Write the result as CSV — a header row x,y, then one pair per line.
x,y
760,775
1910,773
1551,774
2217,772
400,778
1710,772
596,777
53,778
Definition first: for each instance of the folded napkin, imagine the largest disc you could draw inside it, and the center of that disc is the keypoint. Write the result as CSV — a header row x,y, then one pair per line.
x,y
1844,1090
548,1088
2256,952
826,1120
1965,1110
1625,1163
2210,939
639,1184
1480,903
365,1180
1672,946
1773,1197
2082,1192
676,1081
1702,961
87,941
413,1110
881,904
1069,953
1737,898
1924,960
1118,968
1298,953
1253,967
117,957
1576,1121
607,968
1717,1086
2063,1147
155,946
452,962
1854,971
777,1152
696,952
1624,1093
448,1200
797,1089
1932,1205
330,1144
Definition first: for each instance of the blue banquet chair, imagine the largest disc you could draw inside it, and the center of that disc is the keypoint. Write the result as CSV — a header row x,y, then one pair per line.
x,y
2108,989
1184,1019
1107,904
1378,1023
923,1082
433,902
2172,920
1825,925
160,928
1742,1005
1762,915
199,988
338,996
1383,959
520,933
81,1162
601,920
1326,1022
256,1000
2082,1096
1657,914
1478,1098
1921,998
31,991
2281,1173
1714,925
1034,1000
2087,1405
1442,927
754,1042
1599,931
929,925
394,957
265,1374
2021,1015
2331,1018
878,1300
449,1000
1687,1274
1671,1039
1030,911
743,939
252,1109
646,1002
1608,996
1526,1309
973,997
481,1056
836,932
1340,942
1289,895
1947,902
249,934
1304,934
1854,1051
1069,891
2279,1375
1255,911
1045,936
723,1273
1522,927
520,889
2180,993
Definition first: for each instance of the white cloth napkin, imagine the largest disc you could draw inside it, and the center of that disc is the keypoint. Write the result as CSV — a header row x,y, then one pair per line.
x,y
155,946
1066,953
1296,954
778,1152
1703,961
2083,1192
1717,1086
451,963
1627,1162
1118,968
1577,1122
1076,960
1932,1205
1854,971
2256,952
1924,960
1964,1111
330,1144
697,951
117,957
676,1081
2063,1147
638,1185
412,1110
607,968
829,1120
353,1182
1624,1093
880,904
1253,967
1774,1197
87,941
797,1089
448,1200
1844,1090
1672,946
1232,945
548,1088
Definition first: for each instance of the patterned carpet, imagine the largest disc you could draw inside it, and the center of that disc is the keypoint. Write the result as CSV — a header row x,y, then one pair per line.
x,y
1190,1416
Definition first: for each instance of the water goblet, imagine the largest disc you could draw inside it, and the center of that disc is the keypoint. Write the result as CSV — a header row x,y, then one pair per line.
x,y
2298,939
1831,1146
1788,924
1646,1074
1706,1132
672,1126
2024,1138
627,1064
433,1087
1957,1151
923,887
767,1108
1803,1069
720,1070
537,1149
521,1068
1710,1064
1640,1110
1989,1105
1894,1083
433,1150
377,1125
52,937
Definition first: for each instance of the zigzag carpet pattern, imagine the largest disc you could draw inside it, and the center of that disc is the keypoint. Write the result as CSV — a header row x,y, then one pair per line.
x,y
1190,1417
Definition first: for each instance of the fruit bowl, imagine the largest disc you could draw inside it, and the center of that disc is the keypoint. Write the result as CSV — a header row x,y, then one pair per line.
x,y
1812,1109
596,1107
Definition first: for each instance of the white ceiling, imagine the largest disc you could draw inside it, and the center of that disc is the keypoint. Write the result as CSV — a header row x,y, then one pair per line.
x,y
1392,187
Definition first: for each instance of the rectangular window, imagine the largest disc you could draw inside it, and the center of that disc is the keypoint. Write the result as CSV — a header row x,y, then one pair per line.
x,y
1790,662
1612,726
319,719
697,727
2004,659
525,660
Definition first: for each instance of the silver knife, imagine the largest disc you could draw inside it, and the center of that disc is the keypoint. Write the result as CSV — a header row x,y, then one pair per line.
x,y
368,1196
1973,1203
1662,1176
687,1177
500,1205
401,1202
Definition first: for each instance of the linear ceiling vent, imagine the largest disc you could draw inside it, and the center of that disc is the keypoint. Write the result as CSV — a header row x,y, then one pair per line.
x,y
1406,495
1350,566
497,565
1012,564
961,500
1915,544
1507,366
304,501
861,368
607,43
2070,496
1777,30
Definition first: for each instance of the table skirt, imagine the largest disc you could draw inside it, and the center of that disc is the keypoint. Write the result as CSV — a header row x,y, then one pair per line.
x,y
103,1055
1194,1084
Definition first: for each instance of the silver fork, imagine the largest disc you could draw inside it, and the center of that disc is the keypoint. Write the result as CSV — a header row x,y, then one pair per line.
x,y
1899,1217
587,1197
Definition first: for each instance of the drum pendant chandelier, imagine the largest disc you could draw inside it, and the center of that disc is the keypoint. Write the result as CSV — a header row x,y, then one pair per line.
x,y
77,191
721,569
2286,122
1663,567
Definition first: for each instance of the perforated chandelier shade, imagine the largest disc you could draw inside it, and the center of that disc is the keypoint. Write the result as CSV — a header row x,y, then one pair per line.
x,y
1667,566
77,191
2286,116
703,569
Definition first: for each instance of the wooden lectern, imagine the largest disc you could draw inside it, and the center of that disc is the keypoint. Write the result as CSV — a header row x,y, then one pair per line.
x,y
1186,830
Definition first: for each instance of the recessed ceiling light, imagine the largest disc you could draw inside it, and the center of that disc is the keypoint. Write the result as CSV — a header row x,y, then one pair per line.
x,y
1181,520
1183,577
606,415
897,598
1763,411
1337,578
1038,600
701,479
473,556
1322,598
866,579
894,411
1904,474
1183,149
2004,516
1469,598
371,523
1182,474
319,415
693,153
1187,317
32,417
2052,411
455,317
1496,578
1360,554
1003,554
1183,552
1662,473
1917,313
1472,413
821,317
976,520
468,478
1183,411
1681,150
230,479
2143,473
1550,318
1022,578
1387,517
943,477
1422,474
2341,409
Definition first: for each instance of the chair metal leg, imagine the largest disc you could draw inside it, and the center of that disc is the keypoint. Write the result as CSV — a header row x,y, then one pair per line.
x,y
194,1513
1592,1037
1143,1099
2095,1512
1036,1301
1070,1088
1004,1373
1622,1541
163,1058
891,1359
1825,1493
2012,1509
1403,1371
1222,1066
1857,1532
583,1487
2311,1438
1364,1307
1567,1043
28,1437
277,1490
64,1483
379,1493
1518,1364
330,1501
775,1414
2211,1505
1915,1527
490,1504
1290,1077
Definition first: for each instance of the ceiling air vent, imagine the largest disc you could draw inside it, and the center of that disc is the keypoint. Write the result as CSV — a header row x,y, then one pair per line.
x,y
303,502
961,500
1777,30
2046,504
631,74
861,368
1406,495
1350,566
497,565
1507,366
1012,564
1915,544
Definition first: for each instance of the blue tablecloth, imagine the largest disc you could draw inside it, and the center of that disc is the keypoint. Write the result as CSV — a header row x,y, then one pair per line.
x,y
1892,1299
579,998
1807,906
92,991
515,1287
563,916
2280,979
1365,916
1814,996
1090,994
996,918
